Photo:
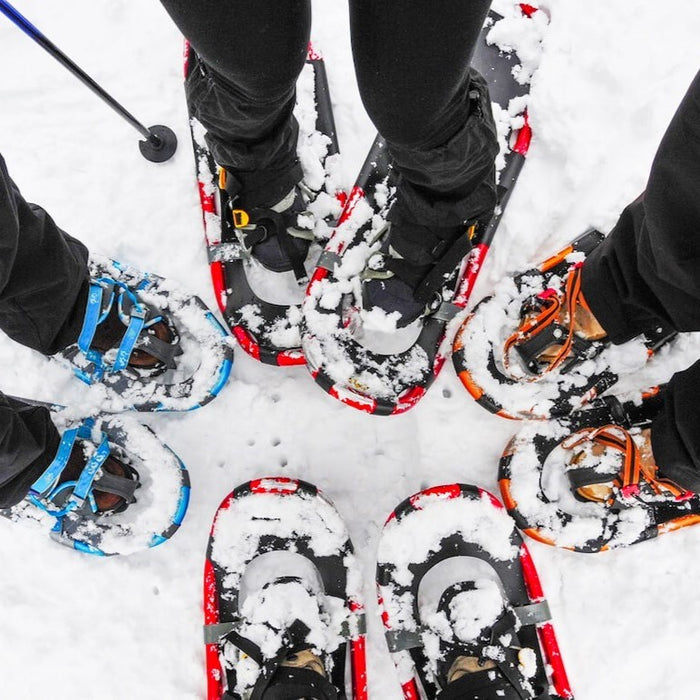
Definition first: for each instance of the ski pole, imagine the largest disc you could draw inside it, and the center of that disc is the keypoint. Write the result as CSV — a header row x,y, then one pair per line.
x,y
159,142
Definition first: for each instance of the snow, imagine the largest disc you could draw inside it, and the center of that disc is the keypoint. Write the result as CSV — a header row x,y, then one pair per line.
x,y
610,77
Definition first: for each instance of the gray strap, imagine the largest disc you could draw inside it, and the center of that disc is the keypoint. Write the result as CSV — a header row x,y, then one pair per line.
x,y
355,626
214,633
165,352
447,311
118,485
400,640
533,614
226,252
328,260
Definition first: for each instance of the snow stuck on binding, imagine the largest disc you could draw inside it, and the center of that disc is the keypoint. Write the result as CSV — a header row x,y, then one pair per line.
x,y
418,534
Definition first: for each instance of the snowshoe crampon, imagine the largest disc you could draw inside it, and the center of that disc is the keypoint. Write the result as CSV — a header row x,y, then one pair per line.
x,y
449,558
190,367
499,349
154,489
262,308
368,372
581,483
282,596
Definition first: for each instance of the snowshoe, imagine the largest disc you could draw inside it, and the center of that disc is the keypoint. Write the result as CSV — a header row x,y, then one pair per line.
x,y
581,482
145,484
154,347
477,626
518,355
259,278
282,597
388,371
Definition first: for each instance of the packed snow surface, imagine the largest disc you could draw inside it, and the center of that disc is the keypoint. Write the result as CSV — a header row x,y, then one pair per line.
x,y
610,76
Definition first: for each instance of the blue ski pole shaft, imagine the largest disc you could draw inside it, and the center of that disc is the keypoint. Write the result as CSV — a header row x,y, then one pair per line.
x,y
159,139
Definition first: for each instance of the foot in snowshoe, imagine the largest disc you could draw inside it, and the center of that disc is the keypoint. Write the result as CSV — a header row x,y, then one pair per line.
x,y
481,655
278,235
535,349
590,481
156,348
464,611
86,496
406,276
282,611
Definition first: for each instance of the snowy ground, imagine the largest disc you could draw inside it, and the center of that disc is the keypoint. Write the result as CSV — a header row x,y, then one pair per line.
x,y
611,76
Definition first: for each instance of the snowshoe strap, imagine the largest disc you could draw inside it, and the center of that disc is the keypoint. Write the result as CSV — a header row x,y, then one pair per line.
x,y
541,330
297,684
625,480
162,351
118,485
69,495
104,292
482,686
426,256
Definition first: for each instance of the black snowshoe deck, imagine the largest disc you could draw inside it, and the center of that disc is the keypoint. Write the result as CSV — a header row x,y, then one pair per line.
x,y
385,384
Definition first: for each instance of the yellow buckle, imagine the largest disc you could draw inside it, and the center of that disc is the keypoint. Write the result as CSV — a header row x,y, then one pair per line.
x,y
240,218
222,179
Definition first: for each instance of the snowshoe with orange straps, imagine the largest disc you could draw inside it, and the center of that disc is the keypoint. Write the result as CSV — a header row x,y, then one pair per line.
x,y
588,482
534,350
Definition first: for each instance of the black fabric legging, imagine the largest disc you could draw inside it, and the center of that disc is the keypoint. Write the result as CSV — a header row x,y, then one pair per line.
x,y
412,64
647,273
43,293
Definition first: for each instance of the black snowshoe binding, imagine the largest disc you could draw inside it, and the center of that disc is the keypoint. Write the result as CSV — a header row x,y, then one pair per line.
x,y
518,354
259,256
88,497
464,611
374,370
583,483
154,347
282,598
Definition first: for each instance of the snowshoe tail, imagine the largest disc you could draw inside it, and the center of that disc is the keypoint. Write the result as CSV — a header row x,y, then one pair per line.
x,y
389,384
462,522
539,492
273,516
256,324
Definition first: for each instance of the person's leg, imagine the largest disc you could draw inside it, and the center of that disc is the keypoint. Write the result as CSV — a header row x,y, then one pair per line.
x,y
43,274
675,432
242,88
28,443
412,63
647,270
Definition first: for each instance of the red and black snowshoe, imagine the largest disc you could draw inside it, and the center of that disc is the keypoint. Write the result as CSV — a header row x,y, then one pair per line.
x,y
463,607
388,372
261,307
585,482
282,597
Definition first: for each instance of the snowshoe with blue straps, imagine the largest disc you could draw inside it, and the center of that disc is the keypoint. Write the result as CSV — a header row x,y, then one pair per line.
x,y
112,488
153,346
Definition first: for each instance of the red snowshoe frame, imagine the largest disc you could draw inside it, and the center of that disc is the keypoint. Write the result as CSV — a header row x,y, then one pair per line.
x,y
231,286
220,608
518,577
433,340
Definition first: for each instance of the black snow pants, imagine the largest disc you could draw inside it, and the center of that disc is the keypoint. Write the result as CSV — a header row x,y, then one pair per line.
x,y
43,294
412,64
647,272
